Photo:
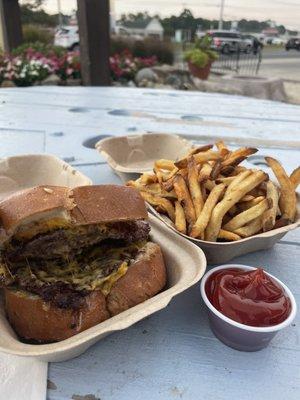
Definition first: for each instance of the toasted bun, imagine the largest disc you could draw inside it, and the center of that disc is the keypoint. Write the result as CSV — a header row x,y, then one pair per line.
x,y
79,206
35,320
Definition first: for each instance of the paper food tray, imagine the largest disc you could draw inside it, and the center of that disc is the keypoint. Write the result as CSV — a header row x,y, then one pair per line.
x,y
25,171
185,263
129,156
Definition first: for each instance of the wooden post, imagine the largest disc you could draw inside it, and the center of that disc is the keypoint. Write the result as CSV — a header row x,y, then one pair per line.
x,y
94,34
10,25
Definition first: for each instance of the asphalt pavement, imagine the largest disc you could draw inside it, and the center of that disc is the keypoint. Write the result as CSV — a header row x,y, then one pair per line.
x,y
281,63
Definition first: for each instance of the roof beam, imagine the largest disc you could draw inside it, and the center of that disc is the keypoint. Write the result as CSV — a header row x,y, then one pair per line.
x,y
94,34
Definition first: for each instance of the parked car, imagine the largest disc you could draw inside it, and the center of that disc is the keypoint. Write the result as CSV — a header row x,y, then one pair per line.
x,y
229,42
256,44
68,37
293,43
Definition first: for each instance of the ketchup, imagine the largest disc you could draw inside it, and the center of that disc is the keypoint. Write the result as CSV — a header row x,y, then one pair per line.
x,y
248,297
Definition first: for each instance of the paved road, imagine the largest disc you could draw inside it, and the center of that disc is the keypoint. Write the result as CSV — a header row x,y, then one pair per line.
x,y
281,63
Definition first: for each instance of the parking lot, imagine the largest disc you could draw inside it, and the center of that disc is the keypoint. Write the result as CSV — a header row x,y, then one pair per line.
x,y
281,63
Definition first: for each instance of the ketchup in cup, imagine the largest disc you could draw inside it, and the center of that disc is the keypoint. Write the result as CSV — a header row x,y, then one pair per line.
x,y
249,297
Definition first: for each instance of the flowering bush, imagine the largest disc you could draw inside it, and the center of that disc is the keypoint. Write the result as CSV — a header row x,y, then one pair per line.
x,y
24,72
32,65
68,66
124,66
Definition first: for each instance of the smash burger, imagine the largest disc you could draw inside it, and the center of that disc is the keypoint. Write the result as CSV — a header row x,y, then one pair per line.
x,y
72,258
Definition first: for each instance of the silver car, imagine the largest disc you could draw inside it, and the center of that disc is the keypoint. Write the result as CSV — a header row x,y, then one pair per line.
x,y
229,42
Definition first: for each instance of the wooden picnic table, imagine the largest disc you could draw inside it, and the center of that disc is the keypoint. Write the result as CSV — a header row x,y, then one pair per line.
x,y
172,354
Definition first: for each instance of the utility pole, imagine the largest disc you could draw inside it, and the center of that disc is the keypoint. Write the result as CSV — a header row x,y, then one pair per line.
x,y
221,15
60,18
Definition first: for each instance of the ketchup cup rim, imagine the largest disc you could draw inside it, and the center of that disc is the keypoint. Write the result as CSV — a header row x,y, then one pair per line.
x,y
230,321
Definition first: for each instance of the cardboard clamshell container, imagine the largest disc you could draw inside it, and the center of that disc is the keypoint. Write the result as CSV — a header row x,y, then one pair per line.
x,y
221,252
25,171
185,264
130,156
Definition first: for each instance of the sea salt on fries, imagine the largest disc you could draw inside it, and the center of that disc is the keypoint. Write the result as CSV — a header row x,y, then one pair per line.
x,y
209,196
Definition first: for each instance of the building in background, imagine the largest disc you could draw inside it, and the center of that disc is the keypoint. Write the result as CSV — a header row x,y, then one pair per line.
x,y
148,27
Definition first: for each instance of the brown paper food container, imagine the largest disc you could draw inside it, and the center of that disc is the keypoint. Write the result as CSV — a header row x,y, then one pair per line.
x,y
221,252
185,263
25,171
130,156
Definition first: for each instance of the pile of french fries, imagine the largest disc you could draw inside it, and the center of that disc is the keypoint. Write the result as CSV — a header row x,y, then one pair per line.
x,y
208,195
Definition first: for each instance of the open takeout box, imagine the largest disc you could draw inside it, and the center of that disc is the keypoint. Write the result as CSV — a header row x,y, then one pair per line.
x,y
129,156
221,252
25,171
185,263
143,150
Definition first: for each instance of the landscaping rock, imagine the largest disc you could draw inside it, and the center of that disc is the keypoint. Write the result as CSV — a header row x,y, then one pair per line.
x,y
258,87
51,80
131,84
173,80
7,84
73,82
146,74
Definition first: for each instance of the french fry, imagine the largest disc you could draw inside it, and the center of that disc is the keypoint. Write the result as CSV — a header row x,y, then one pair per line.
x,y
180,222
161,202
148,178
209,185
184,197
239,179
205,214
208,194
225,179
194,186
201,149
204,172
237,156
287,200
231,197
216,169
269,216
207,156
223,149
247,197
295,177
230,236
233,211
248,204
164,164
250,229
246,216
156,189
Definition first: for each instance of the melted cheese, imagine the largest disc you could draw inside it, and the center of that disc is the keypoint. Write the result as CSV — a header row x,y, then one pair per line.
x,y
112,278
41,227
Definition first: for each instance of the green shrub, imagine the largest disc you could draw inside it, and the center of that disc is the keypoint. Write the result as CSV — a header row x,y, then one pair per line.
x,y
201,54
45,49
197,57
144,48
34,33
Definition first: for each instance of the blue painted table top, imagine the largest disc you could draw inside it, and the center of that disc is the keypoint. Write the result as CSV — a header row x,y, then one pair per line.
x,y
172,354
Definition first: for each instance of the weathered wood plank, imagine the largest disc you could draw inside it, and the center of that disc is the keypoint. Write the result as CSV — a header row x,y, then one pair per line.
x,y
93,21
10,25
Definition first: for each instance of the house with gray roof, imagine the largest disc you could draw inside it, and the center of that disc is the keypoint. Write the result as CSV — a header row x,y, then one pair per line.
x,y
146,27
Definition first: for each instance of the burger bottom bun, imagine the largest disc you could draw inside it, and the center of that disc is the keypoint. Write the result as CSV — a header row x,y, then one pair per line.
x,y
37,321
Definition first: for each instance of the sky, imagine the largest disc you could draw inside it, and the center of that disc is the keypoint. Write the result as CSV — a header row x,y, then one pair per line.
x,y
286,12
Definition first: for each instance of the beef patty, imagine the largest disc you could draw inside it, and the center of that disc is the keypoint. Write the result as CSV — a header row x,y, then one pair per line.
x,y
66,243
